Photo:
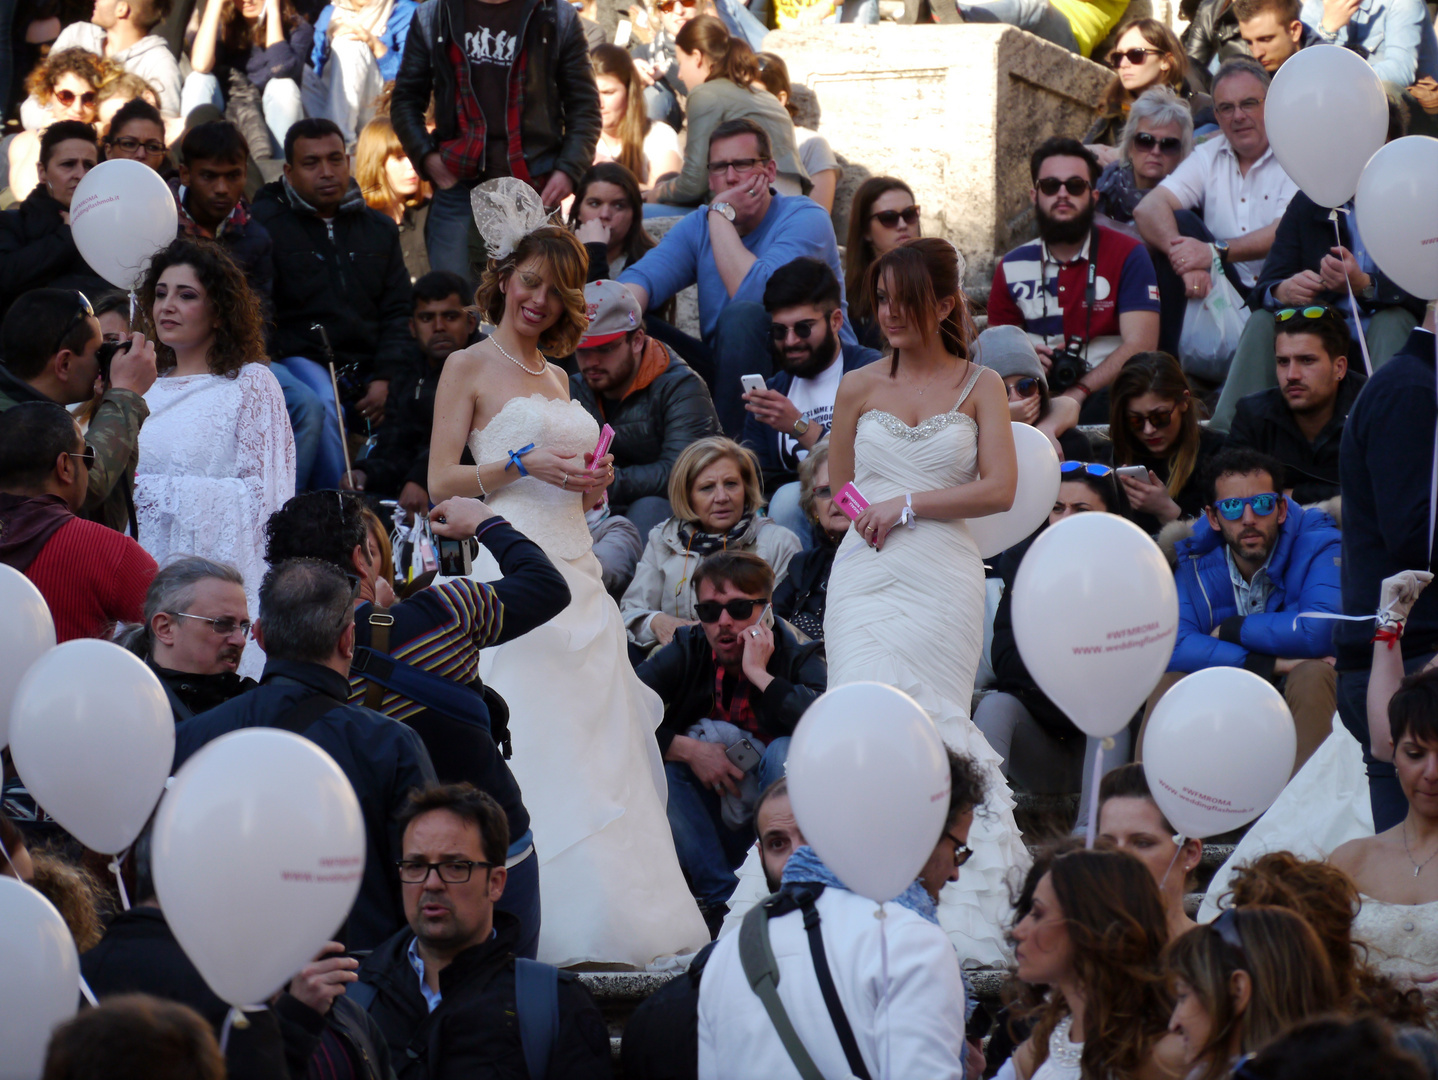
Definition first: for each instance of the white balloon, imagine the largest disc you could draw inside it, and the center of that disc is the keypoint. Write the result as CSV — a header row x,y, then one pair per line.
x,y
93,738
39,978
121,214
1095,616
869,782
1218,750
1398,215
1034,497
1326,115
258,852
27,632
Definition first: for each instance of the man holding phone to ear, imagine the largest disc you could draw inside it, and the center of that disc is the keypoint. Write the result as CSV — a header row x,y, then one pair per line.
x,y
734,688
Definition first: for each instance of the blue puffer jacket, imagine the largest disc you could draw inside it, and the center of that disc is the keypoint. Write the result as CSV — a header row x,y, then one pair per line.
x,y
1304,571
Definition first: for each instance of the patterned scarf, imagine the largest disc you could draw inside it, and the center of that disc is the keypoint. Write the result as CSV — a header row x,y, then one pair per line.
x,y
703,543
805,866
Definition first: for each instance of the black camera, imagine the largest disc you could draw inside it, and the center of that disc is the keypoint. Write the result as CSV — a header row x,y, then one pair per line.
x,y
105,356
1067,367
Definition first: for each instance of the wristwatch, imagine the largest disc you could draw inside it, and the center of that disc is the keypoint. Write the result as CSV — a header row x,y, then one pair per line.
x,y
722,208
801,426
1221,246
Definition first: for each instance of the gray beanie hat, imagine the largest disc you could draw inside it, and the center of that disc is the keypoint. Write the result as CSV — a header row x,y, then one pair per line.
x,y
1008,350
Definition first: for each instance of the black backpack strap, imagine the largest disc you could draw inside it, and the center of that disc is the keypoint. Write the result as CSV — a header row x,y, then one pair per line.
x,y
304,712
827,987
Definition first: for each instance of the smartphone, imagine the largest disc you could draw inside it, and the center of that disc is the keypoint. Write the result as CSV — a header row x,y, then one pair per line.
x,y
848,499
767,619
454,558
606,436
751,383
743,755
1134,472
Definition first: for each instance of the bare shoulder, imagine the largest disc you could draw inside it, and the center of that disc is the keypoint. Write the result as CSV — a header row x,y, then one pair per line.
x,y
472,359
858,384
1354,856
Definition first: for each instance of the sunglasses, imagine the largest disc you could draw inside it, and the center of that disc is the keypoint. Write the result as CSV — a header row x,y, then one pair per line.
x,y
84,311
87,456
1133,56
889,219
1074,185
1024,388
962,852
670,6
131,145
739,165
802,329
1100,471
1159,418
67,97
825,492
1169,144
709,611
1313,312
1232,509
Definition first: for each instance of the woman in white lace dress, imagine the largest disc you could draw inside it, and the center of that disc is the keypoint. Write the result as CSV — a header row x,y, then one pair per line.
x,y
217,456
581,722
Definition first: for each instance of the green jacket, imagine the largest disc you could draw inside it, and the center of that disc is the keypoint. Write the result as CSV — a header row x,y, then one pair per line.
x,y
114,432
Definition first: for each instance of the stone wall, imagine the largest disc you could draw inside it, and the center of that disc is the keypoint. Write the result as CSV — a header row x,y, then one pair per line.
x,y
953,110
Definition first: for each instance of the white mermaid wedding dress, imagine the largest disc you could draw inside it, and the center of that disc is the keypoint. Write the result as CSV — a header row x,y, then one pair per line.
x,y
582,726
912,615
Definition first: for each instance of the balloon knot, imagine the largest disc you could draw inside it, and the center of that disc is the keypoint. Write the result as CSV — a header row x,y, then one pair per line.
x,y
241,1020
1107,743
880,913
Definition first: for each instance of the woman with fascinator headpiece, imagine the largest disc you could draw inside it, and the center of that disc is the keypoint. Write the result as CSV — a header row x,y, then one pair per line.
x,y
581,722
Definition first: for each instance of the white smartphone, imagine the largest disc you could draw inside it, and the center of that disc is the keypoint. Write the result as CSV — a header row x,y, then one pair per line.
x,y
751,383
1134,472
767,619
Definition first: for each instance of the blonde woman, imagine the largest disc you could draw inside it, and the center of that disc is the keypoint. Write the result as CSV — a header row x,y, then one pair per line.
x,y
390,185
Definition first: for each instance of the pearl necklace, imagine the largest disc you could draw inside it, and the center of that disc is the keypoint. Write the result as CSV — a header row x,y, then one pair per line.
x,y
515,360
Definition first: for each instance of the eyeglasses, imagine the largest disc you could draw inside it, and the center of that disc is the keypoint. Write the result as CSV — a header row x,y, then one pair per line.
x,y
86,310
709,611
1133,56
1248,105
1074,185
1100,471
224,626
348,614
669,6
1024,388
88,456
962,852
1314,311
802,329
1159,418
1232,509
1169,144
452,872
889,219
130,145
67,97
739,165
825,492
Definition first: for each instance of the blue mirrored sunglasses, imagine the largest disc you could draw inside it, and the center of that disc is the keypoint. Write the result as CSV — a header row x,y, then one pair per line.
x,y
1232,509
1089,467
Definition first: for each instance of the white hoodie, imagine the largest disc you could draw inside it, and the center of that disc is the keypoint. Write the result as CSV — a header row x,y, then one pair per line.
x,y
150,58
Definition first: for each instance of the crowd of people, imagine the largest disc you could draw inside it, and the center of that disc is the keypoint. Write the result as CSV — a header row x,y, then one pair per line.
x,y
403,445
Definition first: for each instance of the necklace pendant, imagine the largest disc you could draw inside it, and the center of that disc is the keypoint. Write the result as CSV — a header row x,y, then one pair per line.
x,y
1416,869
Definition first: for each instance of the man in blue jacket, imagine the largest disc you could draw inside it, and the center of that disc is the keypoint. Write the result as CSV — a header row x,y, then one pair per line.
x,y
1257,561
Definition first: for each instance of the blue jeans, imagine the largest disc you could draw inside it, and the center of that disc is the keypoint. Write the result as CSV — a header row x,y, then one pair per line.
x,y
280,102
784,508
646,512
307,421
862,12
1390,805
709,851
446,231
521,899
1038,17
329,455
741,21
740,345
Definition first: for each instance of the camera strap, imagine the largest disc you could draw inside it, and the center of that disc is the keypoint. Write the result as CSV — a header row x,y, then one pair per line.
x,y
1090,290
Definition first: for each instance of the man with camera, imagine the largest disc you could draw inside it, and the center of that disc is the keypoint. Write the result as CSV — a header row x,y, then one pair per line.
x,y
1087,295
734,688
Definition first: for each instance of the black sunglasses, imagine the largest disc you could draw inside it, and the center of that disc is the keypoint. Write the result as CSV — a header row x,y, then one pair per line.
x,y
88,456
889,219
1133,56
1169,144
802,329
962,852
708,611
85,310
1074,185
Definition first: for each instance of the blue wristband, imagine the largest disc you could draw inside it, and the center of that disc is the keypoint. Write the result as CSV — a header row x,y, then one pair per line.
x,y
515,455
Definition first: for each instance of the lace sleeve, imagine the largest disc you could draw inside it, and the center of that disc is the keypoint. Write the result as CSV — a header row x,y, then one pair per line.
x,y
265,448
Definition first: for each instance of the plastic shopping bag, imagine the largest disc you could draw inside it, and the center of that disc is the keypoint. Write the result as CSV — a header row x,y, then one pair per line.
x,y
1211,329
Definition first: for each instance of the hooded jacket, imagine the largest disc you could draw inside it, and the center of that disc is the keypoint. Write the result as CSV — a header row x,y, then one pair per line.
x,y
347,275
37,251
666,409
1304,572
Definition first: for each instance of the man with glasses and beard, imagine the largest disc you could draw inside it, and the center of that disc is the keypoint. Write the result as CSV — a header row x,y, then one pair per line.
x,y
788,418
1086,294
733,687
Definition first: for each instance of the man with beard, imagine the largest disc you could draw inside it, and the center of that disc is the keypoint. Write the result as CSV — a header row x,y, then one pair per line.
x,y
655,402
788,418
1258,560
398,463
1083,291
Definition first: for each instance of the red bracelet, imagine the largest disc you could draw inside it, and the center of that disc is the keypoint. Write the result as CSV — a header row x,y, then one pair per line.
x,y
1081,386
1389,636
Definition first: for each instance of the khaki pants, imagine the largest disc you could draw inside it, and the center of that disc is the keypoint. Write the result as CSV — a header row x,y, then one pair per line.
x,y
1311,690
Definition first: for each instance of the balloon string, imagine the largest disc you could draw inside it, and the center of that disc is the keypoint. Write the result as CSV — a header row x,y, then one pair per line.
x,y
87,993
8,863
225,1030
884,971
1179,840
120,878
1093,792
1353,300
1433,484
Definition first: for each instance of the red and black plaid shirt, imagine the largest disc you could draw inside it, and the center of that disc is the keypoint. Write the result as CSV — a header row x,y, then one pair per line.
x,y
732,701
464,154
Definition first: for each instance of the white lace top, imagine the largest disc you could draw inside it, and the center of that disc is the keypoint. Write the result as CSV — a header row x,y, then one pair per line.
x,y
1402,939
1063,1063
217,458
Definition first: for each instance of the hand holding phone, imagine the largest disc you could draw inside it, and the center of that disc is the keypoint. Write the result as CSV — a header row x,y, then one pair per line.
x,y
1134,472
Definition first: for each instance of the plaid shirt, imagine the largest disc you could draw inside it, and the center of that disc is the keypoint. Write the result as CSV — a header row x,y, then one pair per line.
x,y
239,217
464,155
732,702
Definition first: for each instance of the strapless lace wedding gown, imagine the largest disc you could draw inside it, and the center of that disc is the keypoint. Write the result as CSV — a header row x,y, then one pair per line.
x,y
1402,940
912,616
583,725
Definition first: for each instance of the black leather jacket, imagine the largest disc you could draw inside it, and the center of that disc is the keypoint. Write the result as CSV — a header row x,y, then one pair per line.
x,y
559,104
1213,32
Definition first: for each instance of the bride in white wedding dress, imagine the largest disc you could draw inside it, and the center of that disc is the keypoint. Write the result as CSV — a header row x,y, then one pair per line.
x,y
581,722
925,438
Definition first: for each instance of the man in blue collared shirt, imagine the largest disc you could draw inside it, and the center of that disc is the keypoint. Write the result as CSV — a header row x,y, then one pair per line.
x,y
1396,36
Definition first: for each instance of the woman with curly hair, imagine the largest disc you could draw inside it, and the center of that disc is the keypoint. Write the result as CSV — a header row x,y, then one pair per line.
x,y
1093,934
581,721
66,86
217,457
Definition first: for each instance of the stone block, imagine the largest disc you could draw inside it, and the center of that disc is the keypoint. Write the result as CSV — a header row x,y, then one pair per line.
x,y
953,110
